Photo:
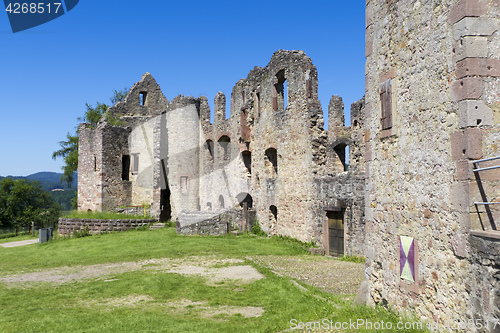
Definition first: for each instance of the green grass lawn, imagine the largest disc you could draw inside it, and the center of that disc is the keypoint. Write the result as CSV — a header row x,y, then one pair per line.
x,y
94,305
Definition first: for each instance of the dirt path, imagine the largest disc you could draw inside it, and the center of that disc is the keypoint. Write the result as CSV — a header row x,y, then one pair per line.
x,y
329,275
20,243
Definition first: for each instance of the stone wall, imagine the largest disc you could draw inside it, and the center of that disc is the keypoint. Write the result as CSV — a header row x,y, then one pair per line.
x,y
269,154
96,226
214,223
485,279
431,96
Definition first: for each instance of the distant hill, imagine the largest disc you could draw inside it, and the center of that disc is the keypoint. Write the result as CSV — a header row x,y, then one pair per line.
x,y
49,180
52,181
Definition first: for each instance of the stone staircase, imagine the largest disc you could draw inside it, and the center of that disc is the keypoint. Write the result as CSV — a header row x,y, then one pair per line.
x,y
157,226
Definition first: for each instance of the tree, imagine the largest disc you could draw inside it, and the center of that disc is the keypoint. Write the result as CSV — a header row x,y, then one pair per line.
x,y
24,201
92,116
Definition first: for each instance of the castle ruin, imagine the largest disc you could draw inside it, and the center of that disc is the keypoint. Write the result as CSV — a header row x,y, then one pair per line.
x,y
418,196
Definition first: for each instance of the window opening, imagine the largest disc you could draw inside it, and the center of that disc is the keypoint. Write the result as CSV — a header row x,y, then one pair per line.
x,y
224,143
125,167
135,163
247,160
272,161
273,215
142,98
279,93
209,145
342,151
386,104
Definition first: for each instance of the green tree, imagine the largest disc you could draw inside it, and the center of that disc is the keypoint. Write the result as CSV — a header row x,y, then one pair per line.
x,y
92,116
24,201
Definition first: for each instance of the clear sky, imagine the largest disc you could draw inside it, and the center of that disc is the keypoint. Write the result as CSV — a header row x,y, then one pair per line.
x,y
190,47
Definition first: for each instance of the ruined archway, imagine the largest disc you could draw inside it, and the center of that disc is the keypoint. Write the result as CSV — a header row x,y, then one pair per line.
x,y
244,197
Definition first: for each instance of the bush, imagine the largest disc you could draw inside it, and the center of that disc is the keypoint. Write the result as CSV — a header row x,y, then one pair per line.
x,y
82,233
257,230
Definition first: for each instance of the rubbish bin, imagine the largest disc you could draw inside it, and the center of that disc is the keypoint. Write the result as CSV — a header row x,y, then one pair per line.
x,y
44,235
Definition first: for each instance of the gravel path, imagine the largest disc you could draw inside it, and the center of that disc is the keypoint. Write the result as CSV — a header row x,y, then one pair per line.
x,y
20,243
329,275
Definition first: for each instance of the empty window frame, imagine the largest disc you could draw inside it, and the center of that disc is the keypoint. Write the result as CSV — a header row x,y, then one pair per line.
x,y
221,201
386,104
209,146
143,98
280,93
273,215
224,142
135,163
271,161
342,151
126,167
247,160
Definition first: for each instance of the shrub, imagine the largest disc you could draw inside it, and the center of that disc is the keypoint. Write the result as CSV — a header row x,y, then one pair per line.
x,y
82,233
257,230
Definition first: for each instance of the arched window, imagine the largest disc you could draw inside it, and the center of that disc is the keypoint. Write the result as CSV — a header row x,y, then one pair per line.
x,y
247,160
271,161
209,146
342,151
245,197
221,201
273,215
224,142
279,92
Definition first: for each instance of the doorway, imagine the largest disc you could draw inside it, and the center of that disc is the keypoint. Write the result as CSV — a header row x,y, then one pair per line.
x,y
335,232
165,207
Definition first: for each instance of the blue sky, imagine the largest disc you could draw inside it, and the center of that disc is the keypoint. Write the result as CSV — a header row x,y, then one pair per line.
x,y
190,47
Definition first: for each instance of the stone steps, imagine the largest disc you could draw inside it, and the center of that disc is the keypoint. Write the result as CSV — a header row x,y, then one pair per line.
x,y
157,226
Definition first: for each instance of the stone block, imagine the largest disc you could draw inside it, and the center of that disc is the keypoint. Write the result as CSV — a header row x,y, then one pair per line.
x,y
464,170
475,26
369,15
368,152
458,146
363,294
459,245
368,49
478,67
467,88
467,8
460,197
390,74
474,113
474,141
471,47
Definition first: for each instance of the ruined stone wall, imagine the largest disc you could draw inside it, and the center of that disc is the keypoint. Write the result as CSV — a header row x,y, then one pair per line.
x,y
273,151
183,127
96,226
426,121
485,281
89,169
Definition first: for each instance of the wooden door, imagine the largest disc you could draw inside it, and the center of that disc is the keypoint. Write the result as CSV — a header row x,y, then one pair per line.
x,y
336,233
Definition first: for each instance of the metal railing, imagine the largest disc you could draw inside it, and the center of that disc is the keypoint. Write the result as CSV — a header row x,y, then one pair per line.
x,y
477,169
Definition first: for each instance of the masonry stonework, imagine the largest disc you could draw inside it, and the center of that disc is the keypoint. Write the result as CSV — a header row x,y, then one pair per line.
x,y
272,158
439,59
